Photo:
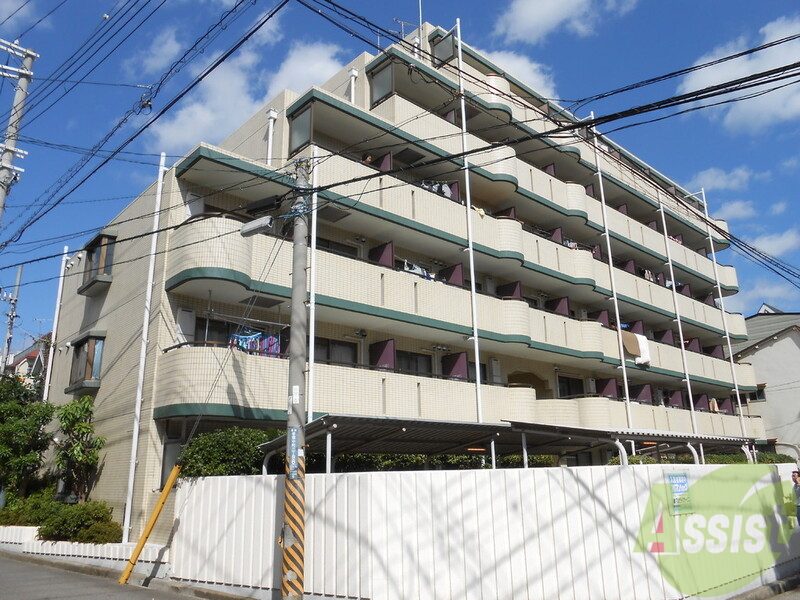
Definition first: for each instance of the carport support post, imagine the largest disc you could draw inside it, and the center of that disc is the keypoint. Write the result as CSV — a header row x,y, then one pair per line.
x,y
292,540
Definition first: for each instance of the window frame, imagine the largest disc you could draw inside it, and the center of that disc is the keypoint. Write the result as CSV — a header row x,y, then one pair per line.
x,y
87,361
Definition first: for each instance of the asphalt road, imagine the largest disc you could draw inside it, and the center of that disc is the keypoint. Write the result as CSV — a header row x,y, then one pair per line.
x,y
22,579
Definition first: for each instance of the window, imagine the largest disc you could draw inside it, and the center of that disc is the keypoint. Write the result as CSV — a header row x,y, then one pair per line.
x,y
569,387
212,330
99,262
300,130
336,247
382,84
335,352
87,355
414,362
471,372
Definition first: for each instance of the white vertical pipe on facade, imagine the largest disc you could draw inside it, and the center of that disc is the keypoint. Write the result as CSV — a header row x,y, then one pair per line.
x,y
470,250
328,452
677,309
56,315
524,450
612,277
137,410
312,291
272,116
724,314
353,76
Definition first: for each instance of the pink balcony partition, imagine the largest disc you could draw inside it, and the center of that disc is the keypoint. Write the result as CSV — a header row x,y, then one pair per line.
x,y
653,225
685,289
700,401
714,351
510,291
590,190
597,252
550,169
383,254
623,208
556,235
607,387
454,274
601,316
693,345
642,393
558,305
455,193
709,299
629,266
661,279
382,354
675,398
726,405
384,163
667,336
455,365
636,327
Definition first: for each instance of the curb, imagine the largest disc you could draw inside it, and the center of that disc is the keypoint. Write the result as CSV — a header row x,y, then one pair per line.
x,y
770,590
136,579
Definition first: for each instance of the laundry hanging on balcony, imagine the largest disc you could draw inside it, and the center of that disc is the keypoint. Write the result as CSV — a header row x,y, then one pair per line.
x,y
256,343
637,346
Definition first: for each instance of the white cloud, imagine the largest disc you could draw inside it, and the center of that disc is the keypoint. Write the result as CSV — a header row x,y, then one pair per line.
x,y
531,21
755,114
738,209
717,179
304,66
750,299
25,13
777,244
235,91
163,50
536,75
778,208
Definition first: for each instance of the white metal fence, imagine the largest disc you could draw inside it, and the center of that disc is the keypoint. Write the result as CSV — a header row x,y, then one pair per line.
x,y
518,533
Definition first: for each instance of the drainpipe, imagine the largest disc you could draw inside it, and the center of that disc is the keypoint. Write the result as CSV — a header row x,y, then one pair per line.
x,y
272,116
137,412
56,315
312,293
677,308
614,297
724,315
353,77
470,250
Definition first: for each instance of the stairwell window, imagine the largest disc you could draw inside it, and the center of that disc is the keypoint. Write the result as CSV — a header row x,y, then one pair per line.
x,y
99,264
87,359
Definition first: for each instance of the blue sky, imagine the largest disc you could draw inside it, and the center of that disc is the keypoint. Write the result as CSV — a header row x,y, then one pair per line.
x,y
745,154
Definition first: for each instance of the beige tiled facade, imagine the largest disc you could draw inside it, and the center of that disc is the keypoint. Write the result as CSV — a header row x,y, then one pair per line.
x,y
538,237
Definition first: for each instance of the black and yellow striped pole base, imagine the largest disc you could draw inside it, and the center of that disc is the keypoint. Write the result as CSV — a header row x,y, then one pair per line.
x,y
293,537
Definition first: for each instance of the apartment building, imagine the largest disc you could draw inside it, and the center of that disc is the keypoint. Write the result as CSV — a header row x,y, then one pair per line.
x,y
485,261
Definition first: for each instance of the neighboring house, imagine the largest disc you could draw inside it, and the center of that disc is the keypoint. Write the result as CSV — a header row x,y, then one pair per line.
x,y
32,361
773,349
396,301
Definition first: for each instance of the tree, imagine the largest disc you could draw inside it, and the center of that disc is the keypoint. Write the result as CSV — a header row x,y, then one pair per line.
x,y
23,439
232,451
78,453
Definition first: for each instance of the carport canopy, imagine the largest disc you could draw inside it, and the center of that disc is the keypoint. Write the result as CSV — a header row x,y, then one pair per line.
x,y
334,434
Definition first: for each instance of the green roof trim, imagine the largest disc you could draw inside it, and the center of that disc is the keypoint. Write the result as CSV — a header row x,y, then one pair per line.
x,y
231,411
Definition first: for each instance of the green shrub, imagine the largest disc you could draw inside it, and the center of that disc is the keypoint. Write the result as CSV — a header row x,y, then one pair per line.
x,y
636,459
107,532
71,521
232,451
32,510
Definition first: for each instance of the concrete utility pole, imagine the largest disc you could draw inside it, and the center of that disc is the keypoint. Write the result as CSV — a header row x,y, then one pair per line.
x,y
8,173
12,316
294,503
